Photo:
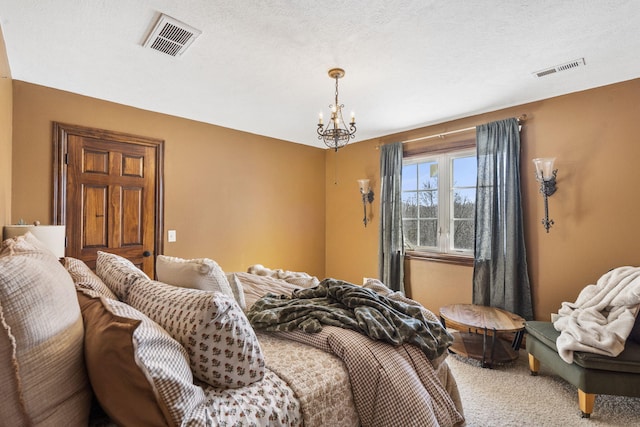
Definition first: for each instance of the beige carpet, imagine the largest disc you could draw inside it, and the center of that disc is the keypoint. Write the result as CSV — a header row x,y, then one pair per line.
x,y
508,395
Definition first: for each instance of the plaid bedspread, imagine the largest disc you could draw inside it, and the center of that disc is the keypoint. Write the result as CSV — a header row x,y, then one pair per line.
x,y
338,303
392,385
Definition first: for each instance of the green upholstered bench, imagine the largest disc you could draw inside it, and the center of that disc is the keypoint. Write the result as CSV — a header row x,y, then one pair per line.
x,y
591,373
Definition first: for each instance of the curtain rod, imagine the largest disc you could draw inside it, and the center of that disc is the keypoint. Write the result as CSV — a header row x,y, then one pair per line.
x,y
521,119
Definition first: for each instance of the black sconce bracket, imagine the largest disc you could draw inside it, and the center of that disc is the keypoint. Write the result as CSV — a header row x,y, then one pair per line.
x,y
366,197
547,188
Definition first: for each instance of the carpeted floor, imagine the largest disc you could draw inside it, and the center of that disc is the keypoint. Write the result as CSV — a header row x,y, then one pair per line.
x,y
508,395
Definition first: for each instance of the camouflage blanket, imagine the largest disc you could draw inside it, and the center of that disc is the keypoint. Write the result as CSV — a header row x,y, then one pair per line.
x,y
338,303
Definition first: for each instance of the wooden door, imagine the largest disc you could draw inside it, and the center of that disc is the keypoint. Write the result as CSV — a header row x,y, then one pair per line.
x,y
108,194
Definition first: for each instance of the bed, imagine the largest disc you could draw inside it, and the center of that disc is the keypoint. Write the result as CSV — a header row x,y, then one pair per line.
x,y
148,352
413,391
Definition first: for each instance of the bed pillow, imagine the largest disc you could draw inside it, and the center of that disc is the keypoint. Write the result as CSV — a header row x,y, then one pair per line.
x,y
117,273
43,379
84,278
222,346
237,289
200,273
298,278
139,374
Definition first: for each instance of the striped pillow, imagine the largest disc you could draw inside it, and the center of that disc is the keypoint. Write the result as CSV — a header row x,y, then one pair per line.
x,y
84,278
222,346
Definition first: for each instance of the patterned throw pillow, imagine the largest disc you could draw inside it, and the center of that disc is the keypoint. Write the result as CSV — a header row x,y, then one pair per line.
x,y
43,379
139,374
118,273
84,278
222,346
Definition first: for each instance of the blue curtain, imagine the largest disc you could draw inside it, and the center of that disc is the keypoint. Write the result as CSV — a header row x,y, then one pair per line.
x,y
391,247
500,277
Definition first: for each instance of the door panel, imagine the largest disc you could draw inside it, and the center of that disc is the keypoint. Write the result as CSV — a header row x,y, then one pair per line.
x,y
94,206
132,217
109,194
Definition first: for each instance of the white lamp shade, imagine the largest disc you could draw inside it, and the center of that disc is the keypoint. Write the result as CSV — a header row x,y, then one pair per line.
x,y
544,167
51,236
364,185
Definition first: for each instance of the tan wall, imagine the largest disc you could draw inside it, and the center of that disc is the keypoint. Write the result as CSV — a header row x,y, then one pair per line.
x,y
6,108
352,248
593,134
228,203
236,197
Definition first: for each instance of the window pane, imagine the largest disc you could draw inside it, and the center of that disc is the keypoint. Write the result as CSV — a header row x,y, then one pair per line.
x,y
463,234
409,205
428,204
464,203
428,175
409,177
410,231
429,232
465,172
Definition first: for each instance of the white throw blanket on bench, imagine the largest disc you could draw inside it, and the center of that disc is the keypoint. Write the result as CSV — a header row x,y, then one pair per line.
x,y
602,317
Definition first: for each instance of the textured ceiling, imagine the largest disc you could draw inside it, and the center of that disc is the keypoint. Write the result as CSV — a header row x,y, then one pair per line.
x,y
261,66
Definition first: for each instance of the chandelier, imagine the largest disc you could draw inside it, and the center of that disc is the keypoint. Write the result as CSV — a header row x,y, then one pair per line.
x,y
336,134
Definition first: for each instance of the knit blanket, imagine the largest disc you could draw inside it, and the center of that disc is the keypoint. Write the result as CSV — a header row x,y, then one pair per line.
x,y
601,318
338,303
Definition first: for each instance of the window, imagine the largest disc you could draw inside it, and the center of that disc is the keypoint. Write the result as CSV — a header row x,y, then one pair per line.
x,y
438,202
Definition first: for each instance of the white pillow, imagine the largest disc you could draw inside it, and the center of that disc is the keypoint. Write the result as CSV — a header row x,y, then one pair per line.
x,y
42,373
201,273
237,289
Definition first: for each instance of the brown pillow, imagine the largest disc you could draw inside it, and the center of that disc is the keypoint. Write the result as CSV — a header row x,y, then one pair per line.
x,y
139,374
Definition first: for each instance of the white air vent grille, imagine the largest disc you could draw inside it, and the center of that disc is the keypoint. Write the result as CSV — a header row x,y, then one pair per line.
x,y
562,67
171,36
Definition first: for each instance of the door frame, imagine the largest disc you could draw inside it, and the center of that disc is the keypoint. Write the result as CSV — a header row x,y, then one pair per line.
x,y
61,132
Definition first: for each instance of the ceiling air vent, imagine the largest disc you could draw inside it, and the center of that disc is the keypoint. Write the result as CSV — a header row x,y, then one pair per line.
x,y
562,67
171,36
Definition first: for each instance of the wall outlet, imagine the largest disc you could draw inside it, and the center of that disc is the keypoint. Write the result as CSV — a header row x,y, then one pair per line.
x,y
171,235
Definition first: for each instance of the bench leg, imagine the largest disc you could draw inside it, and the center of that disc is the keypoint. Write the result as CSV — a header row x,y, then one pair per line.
x,y
585,400
534,365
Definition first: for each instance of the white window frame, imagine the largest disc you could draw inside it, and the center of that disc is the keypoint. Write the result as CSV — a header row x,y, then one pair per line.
x,y
445,238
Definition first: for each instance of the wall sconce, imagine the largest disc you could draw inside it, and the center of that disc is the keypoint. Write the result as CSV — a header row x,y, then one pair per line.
x,y
367,196
546,176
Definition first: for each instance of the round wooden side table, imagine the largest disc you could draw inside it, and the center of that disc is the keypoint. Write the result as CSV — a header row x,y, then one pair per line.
x,y
475,324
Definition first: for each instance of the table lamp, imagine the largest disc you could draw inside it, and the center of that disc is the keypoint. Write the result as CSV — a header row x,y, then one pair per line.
x,y
52,236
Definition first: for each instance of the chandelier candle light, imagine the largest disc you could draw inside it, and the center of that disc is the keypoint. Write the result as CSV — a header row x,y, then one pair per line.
x,y
336,134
